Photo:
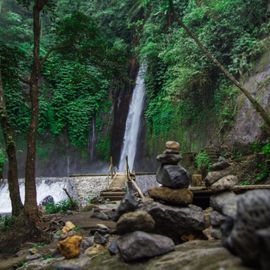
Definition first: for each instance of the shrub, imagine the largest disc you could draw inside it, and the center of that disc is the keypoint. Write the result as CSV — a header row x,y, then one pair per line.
x,y
60,207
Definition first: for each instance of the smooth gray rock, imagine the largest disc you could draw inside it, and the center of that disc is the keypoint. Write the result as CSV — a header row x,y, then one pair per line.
x,y
173,176
253,214
174,221
139,245
113,248
225,203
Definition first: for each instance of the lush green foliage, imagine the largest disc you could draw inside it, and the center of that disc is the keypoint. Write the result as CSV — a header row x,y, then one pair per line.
x,y
6,223
185,91
60,207
187,98
202,161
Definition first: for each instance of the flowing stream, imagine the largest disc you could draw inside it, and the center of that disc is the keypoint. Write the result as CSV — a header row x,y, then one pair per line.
x,y
129,147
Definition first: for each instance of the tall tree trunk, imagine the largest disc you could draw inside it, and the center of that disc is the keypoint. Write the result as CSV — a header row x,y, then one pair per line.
x,y
30,206
13,183
256,105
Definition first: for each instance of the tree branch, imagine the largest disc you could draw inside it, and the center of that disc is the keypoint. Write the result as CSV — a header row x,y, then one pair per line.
x,y
50,51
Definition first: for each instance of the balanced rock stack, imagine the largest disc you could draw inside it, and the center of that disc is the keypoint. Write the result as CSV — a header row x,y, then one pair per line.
x,y
173,178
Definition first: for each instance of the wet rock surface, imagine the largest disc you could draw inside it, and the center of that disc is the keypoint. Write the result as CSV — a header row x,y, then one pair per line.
x,y
174,221
194,255
135,221
253,214
139,245
225,203
168,159
173,176
180,197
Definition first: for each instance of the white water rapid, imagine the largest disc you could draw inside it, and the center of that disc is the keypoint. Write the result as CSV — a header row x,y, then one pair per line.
x,y
129,147
45,186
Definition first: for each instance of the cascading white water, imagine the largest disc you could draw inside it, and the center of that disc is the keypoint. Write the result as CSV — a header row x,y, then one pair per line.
x,y
45,186
129,147
92,139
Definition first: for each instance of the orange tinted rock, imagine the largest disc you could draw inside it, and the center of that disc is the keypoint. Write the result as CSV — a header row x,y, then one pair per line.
x,y
70,246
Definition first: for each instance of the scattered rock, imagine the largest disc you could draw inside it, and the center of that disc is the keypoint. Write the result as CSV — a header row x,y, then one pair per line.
x,y
69,226
172,196
217,219
47,200
172,159
128,204
100,239
33,257
86,243
225,203
95,249
225,183
101,229
70,247
113,248
175,221
173,176
140,246
253,214
100,215
213,177
135,221
173,145
193,255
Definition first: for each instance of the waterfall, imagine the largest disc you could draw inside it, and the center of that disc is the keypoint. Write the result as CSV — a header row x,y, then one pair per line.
x,y
45,186
92,139
129,147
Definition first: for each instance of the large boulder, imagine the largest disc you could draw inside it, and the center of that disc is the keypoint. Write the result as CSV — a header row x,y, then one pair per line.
x,y
213,177
264,243
176,222
173,176
139,245
181,197
253,214
225,203
225,183
135,221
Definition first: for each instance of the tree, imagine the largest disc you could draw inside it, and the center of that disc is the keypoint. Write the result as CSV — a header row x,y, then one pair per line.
x,y
13,184
168,7
30,206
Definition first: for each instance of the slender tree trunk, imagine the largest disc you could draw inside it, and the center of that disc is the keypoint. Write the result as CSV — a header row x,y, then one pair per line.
x,y
257,106
13,183
30,206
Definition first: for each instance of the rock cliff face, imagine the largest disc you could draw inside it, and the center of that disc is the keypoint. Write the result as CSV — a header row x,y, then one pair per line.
x,y
247,126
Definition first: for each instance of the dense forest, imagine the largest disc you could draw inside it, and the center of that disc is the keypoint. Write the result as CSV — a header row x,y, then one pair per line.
x,y
91,51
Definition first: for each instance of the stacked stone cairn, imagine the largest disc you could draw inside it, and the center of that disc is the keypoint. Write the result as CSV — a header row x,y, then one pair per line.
x,y
173,178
